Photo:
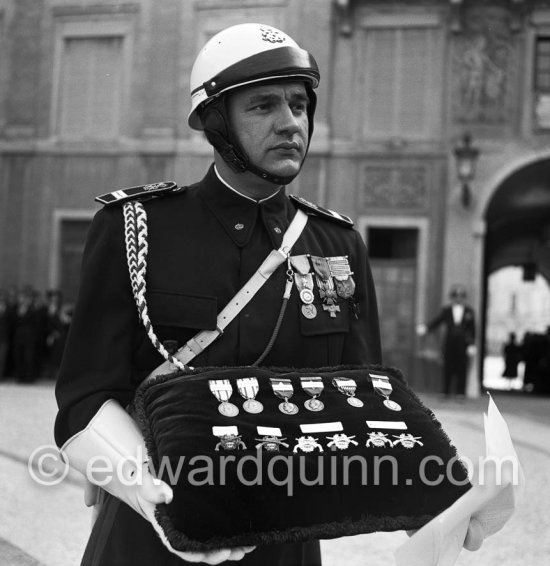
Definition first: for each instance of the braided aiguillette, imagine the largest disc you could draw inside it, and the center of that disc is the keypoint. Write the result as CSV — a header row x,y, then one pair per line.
x,y
135,235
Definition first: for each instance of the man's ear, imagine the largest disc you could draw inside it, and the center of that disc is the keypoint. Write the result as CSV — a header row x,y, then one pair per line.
x,y
214,120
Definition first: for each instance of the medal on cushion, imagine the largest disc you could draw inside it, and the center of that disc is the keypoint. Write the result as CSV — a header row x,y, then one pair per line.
x,y
284,390
407,440
229,436
272,439
313,386
382,386
222,390
248,388
348,387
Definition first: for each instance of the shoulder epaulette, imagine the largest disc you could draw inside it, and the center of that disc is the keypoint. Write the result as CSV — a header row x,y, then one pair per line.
x,y
320,211
142,192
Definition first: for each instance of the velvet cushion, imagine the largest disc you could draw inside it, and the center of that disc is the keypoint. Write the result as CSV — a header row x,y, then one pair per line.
x,y
245,494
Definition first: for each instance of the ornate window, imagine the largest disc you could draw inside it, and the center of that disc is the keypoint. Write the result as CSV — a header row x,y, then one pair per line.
x,y
401,86
90,81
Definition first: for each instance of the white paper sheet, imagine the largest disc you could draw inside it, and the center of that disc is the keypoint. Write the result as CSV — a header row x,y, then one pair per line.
x,y
492,501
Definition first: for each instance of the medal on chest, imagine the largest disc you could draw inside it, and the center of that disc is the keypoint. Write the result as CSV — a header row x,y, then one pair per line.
x,y
303,279
342,274
327,291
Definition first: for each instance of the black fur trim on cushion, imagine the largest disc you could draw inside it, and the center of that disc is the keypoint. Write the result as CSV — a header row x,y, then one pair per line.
x,y
231,494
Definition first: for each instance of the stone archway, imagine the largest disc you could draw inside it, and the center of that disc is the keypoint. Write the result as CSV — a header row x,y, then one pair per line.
x,y
516,216
517,219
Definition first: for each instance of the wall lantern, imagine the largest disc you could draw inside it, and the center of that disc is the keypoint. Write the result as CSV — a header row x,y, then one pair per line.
x,y
466,157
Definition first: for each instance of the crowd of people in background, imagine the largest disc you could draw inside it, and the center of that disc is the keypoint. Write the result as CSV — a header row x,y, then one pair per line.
x,y
33,329
534,352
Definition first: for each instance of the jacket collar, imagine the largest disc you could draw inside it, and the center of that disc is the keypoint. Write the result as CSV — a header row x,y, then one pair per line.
x,y
238,214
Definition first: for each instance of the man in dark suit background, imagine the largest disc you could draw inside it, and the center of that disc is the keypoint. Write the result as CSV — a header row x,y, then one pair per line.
x,y
458,320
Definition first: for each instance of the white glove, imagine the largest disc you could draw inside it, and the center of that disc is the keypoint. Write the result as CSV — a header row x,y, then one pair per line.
x,y
110,452
475,535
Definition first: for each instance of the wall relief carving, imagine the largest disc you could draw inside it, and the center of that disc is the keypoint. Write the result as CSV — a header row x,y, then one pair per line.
x,y
482,66
394,186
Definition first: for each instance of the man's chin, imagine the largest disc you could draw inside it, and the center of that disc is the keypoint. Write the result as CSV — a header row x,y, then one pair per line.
x,y
287,169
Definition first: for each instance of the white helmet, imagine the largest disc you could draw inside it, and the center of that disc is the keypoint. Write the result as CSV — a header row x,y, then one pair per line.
x,y
245,54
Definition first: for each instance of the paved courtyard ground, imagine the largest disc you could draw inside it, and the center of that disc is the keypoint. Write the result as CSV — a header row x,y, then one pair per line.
x,y
48,526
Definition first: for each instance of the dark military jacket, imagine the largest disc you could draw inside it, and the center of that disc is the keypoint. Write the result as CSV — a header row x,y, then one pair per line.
x,y
205,242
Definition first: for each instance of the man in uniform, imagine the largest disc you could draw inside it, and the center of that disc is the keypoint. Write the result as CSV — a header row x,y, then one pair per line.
x,y
253,96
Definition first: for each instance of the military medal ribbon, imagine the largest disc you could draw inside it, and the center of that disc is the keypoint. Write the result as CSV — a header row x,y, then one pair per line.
x,y
222,390
382,386
313,386
248,388
348,387
283,389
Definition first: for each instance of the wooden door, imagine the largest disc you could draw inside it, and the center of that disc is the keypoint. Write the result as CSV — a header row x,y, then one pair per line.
x,y
394,261
73,236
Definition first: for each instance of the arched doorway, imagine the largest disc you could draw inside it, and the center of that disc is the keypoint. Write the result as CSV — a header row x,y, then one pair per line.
x,y
517,263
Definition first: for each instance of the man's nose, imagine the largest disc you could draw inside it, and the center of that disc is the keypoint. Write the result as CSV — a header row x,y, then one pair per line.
x,y
287,121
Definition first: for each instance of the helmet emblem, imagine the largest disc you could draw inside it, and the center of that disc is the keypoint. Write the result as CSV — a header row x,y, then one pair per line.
x,y
272,35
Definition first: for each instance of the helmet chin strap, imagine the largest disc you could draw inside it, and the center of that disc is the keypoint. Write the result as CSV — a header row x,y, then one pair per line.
x,y
266,176
216,128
